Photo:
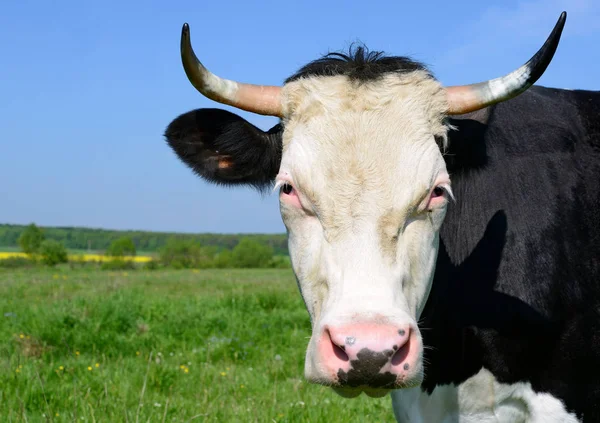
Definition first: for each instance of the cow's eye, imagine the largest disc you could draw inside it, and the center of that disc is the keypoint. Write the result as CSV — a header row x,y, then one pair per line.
x,y
439,196
438,192
289,195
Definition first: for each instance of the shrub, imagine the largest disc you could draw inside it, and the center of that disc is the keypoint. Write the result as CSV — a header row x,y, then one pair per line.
x,y
249,253
223,260
280,262
53,252
118,264
187,254
31,239
121,247
152,265
180,254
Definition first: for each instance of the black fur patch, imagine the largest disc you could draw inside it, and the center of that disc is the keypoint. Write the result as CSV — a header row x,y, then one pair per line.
x,y
359,64
365,370
516,288
224,148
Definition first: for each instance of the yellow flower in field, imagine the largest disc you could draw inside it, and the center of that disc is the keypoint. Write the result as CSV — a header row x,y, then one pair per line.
x,y
18,370
77,353
137,353
187,370
61,368
90,368
97,365
242,386
54,276
223,374
21,336
20,366
182,367
57,414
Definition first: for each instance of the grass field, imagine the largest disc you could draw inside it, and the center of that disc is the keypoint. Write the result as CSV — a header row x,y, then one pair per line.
x,y
162,346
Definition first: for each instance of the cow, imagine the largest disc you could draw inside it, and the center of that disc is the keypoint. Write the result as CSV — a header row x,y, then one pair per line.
x,y
445,240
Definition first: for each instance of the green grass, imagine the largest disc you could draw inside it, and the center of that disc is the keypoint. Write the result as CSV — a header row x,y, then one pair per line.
x,y
201,346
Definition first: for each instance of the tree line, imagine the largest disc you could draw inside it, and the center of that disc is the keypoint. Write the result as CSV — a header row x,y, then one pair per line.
x,y
76,238
176,253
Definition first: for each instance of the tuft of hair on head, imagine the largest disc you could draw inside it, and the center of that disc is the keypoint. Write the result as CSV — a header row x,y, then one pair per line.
x,y
358,64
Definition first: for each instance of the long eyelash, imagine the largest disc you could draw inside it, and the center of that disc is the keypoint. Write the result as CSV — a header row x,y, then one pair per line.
x,y
279,184
448,190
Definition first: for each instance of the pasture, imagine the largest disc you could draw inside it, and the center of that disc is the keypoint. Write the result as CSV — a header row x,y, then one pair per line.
x,y
161,346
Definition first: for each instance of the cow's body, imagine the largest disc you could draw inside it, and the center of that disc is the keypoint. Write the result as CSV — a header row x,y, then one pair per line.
x,y
450,258
517,284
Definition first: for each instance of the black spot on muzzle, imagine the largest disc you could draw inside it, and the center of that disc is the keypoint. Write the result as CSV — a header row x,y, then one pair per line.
x,y
365,370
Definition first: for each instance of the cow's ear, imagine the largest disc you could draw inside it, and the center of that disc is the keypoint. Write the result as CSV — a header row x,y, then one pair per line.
x,y
224,148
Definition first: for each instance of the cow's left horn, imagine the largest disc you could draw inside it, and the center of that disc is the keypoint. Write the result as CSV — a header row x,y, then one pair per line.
x,y
468,98
261,99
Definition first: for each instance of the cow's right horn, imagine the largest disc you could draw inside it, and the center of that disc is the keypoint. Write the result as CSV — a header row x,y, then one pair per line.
x,y
261,99
468,98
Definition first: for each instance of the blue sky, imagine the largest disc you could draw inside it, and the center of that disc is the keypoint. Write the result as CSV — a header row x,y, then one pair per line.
x,y
87,89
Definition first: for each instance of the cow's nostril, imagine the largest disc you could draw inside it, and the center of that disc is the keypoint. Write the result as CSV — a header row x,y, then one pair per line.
x,y
401,353
339,353
338,350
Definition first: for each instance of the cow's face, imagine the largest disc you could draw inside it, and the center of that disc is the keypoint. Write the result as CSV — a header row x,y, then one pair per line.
x,y
363,191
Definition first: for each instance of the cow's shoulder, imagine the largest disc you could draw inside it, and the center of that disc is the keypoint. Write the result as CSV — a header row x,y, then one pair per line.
x,y
480,399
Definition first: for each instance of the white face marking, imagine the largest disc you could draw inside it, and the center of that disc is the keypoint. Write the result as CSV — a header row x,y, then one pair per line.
x,y
480,399
362,223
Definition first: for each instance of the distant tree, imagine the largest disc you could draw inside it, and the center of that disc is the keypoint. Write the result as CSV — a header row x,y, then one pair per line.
x,y
280,262
53,252
31,239
223,260
250,253
123,246
180,253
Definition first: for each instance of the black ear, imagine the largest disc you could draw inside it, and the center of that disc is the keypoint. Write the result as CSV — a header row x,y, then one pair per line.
x,y
224,148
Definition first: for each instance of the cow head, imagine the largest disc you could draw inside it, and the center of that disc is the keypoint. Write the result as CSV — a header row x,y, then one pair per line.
x,y
358,161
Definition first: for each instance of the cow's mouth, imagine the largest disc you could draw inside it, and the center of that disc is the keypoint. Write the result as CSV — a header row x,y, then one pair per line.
x,y
355,391
350,392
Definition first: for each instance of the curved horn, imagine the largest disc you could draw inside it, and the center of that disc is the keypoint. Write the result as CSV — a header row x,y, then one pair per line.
x,y
261,99
468,98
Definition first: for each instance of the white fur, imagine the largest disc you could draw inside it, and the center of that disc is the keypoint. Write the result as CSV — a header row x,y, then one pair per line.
x,y
362,158
480,399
